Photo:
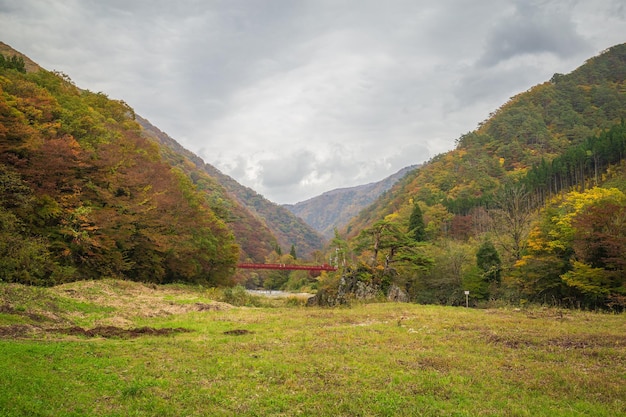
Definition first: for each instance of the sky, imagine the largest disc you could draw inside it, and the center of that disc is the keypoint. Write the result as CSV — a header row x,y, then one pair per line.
x,y
293,98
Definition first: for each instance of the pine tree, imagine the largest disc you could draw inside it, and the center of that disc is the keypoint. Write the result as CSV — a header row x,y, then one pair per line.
x,y
417,229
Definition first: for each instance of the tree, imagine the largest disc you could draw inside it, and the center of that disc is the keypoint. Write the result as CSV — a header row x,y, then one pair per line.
x,y
292,252
14,62
512,214
488,260
446,278
594,283
417,228
577,251
386,239
341,250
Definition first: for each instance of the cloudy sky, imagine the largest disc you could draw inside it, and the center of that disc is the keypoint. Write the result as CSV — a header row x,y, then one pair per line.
x,y
293,98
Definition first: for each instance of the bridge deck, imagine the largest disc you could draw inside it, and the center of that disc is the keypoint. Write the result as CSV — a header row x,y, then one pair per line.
x,y
286,267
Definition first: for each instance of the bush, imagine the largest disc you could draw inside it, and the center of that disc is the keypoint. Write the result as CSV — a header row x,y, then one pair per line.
x,y
238,296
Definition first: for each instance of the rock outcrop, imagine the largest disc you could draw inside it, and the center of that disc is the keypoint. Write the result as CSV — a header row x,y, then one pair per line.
x,y
353,288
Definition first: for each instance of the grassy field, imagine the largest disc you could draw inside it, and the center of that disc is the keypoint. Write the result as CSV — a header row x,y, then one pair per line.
x,y
114,348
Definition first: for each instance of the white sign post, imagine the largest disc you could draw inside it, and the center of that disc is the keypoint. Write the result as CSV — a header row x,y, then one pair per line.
x,y
466,299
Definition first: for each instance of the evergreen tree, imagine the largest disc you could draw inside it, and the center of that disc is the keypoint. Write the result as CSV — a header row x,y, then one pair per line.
x,y
14,62
292,252
488,260
417,229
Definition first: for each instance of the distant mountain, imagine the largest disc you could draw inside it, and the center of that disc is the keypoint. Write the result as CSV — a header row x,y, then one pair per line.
x,y
335,208
286,228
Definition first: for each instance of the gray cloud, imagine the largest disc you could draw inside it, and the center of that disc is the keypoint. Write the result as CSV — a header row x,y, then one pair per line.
x,y
296,98
533,27
287,170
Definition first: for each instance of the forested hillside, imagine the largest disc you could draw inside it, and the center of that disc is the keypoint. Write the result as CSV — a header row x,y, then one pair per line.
x,y
84,194
507,189
287,227
252,234
268,226
334,209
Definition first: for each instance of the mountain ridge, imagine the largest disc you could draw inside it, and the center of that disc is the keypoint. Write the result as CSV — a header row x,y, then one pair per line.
x,y
335,208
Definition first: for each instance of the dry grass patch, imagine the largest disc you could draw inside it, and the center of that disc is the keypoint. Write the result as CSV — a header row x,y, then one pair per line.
x,y
131,299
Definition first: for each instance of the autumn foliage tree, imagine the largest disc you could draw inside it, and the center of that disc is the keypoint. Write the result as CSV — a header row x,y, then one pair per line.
x,y
577,251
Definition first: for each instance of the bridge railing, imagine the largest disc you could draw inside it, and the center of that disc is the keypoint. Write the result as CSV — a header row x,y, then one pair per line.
x,y
286,267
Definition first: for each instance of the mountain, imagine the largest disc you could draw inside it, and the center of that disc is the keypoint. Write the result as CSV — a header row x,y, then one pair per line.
x,y
287,227
89,190
252,234
334,209
537,125
269,225
85,195
530,206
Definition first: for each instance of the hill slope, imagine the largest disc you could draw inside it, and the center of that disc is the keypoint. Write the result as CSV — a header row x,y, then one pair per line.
x,y
29,65
251,232
85,195
536,125
286,228
334,209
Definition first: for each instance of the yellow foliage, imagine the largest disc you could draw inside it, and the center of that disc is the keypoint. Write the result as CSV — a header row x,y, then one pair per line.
x,y
558,235
587,279
522,262
576,202
536,242
391,217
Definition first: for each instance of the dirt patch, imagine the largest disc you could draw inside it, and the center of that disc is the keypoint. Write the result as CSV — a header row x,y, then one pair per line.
x,y
238,332
427,363
8,309
510,341
118,332
16,331
564,342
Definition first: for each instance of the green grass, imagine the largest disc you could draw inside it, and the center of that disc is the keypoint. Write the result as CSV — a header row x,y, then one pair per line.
x,y
367,360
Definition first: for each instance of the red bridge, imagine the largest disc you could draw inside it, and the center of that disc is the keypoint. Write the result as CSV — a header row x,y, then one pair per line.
x,y
286,267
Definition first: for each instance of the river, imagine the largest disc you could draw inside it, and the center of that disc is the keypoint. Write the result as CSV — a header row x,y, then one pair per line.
x,y
280,294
